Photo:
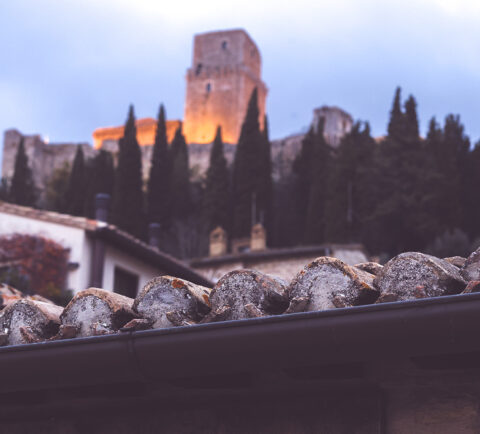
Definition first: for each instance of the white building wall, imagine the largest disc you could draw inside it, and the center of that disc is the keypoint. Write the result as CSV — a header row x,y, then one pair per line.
x,y
67,236
115,257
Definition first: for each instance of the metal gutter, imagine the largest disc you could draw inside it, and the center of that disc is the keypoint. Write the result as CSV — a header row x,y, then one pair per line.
x,y
364,334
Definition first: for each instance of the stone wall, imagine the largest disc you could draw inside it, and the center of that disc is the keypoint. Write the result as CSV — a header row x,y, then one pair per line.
x,y
43,157
392,396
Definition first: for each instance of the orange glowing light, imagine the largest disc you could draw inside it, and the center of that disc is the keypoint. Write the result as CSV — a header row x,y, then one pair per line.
x,y
146,129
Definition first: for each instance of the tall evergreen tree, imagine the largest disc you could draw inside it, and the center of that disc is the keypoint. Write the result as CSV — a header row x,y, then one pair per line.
x,y
101,175
158,192
303,178
4,190
56,187
75,193
397,117
453,163
216,201
22,188
180,177
248,172
446,154
317,201
398,165
430,186
266,186
127,207
347,206
411,133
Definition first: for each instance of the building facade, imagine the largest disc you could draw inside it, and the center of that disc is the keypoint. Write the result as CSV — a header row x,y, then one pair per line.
x,y
100,254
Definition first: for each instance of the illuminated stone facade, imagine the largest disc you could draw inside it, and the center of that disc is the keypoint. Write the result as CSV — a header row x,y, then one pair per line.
x,y
146,129
226,67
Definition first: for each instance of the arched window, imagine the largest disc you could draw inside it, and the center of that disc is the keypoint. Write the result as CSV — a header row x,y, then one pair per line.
x,y
224,45
209,87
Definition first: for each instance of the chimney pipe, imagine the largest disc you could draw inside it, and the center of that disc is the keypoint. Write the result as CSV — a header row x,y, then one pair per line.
x,y
101,206
154,230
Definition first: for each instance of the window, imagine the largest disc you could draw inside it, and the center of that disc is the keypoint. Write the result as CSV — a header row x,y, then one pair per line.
x,y
224,45
124,282
198,69
209,87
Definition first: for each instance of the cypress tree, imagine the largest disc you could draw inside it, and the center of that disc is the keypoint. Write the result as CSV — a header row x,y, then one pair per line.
x,y
430,185
347,205
216,196
411,133
180,178
158,198
22,188
397,213
303,177
4,190
74,198
317,201
100,174
452,162
397,117
56,187
248,176
266,186
412,163
127,207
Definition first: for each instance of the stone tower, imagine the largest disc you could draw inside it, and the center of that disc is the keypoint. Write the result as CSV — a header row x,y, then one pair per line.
x,y
337,123
226,67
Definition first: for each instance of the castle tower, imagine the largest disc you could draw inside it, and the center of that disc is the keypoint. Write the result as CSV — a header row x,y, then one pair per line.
x,y
226,67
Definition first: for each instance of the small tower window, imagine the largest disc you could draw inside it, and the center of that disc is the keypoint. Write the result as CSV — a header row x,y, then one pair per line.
x,y
198,69
224,45
209,87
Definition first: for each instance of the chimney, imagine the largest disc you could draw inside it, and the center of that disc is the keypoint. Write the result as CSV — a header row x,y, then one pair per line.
x,y
154,235
218,242
101,206
258,240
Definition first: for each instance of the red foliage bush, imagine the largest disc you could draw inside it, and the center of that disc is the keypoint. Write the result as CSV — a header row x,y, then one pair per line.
x,y
42,261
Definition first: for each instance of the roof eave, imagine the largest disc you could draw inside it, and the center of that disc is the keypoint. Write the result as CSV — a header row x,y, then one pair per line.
x,y
443,325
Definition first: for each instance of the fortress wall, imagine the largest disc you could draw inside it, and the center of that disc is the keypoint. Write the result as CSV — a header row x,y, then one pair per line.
x,y
43,158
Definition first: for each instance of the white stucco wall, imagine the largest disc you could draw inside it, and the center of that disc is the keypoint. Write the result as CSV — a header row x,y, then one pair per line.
x,y
69,237
115,257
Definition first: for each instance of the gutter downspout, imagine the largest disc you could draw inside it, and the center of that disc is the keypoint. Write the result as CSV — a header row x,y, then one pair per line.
x,y
98,245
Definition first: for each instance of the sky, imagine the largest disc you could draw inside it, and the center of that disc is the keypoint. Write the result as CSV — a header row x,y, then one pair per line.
x,y
70,66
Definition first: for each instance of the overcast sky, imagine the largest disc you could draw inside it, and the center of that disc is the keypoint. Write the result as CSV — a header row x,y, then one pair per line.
x,y
69,66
